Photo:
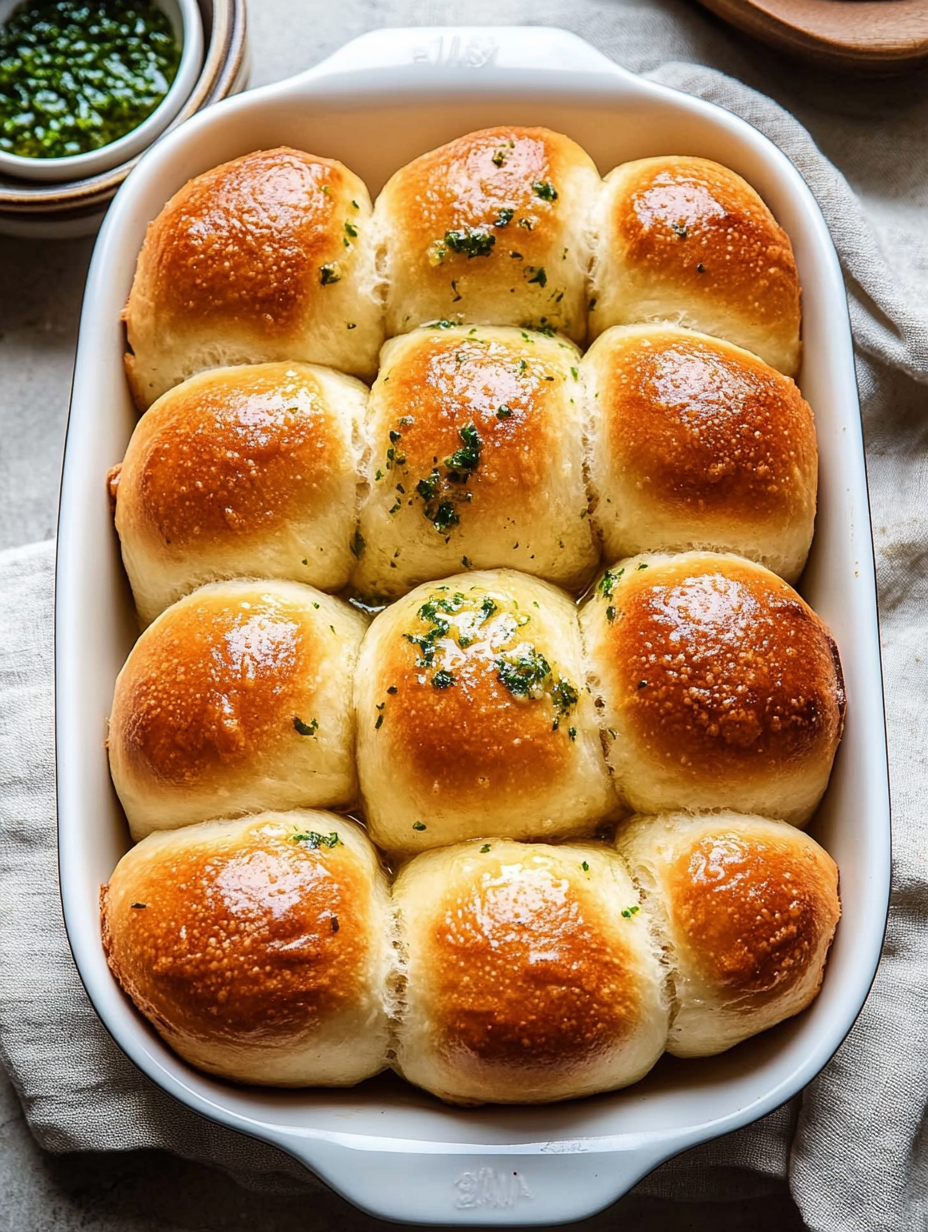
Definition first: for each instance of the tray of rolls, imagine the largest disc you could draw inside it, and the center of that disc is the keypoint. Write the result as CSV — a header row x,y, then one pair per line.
x,y
470,755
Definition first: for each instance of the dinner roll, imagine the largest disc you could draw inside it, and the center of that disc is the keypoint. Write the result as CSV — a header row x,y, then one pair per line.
x,y
747,907
490,228
698,444
267,257
259,949
531,973
475,439
241,472
237,698
686,240
717,686
473,716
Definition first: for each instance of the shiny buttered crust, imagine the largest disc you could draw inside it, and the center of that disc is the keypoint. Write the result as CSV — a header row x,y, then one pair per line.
x,y
475,450
687,241
747,908
695,443
267,257
241,472
260,949
474,718
490,228
716,684
237,698
531,973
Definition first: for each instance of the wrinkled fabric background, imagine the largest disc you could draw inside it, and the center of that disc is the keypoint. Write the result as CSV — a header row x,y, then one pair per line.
x,y
853,1146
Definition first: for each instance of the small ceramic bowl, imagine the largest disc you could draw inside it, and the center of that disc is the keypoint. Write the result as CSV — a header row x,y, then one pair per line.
x,y
184,16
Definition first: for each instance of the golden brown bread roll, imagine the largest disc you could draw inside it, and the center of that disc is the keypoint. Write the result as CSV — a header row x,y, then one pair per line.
x,y
490,228
696,443
473,716
688,241
475,439
717,686
267,257
531,973
241,472
237,698
260,949
747,907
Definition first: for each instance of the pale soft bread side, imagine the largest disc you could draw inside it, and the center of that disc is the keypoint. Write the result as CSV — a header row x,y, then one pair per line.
x,y
747,908
716,684
268,257
697,444
235,699
249,471
475,441
447,749
259,949
531,973
490,228
687,241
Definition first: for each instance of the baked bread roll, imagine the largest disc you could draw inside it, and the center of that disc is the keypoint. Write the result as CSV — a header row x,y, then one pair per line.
x,y
475,443
531,973
688,241
237,698
241,472
490,228
474,718
747,907
717,686
698,444
267,257
259,949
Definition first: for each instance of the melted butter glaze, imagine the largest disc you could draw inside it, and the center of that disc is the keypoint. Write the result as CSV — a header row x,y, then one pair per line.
x,y
237,455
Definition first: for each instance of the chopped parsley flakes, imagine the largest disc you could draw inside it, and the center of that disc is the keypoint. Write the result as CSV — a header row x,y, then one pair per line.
x,y
306,729
544,189
315,841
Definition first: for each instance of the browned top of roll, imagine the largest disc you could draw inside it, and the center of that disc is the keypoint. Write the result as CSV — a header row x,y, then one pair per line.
x,y
234,454
753,911
698,225
245,240
526,970
710,426
719,662
249,940
213,683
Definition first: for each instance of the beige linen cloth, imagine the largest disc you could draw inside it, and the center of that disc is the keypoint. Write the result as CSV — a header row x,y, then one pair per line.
x,y
855,1145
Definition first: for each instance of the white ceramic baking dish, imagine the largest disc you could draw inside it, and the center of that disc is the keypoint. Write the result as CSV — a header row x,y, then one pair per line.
x,y
387,1147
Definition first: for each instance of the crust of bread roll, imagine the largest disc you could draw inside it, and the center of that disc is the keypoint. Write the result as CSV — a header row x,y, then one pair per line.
x,y
688,241
268,257
473,717
235,699
241,472
717,686
475,450
747,907
260,949
490,228
531,973
696,443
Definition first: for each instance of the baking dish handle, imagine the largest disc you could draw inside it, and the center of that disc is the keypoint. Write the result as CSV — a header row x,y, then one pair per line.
x,y
478,1186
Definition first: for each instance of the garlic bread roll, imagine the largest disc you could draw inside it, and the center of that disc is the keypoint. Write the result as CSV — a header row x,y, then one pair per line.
x,y
698,444
259,949
475,452
237,698
747,907
241,472
474,718
267,257
491,228
531,973
717,686
688,241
